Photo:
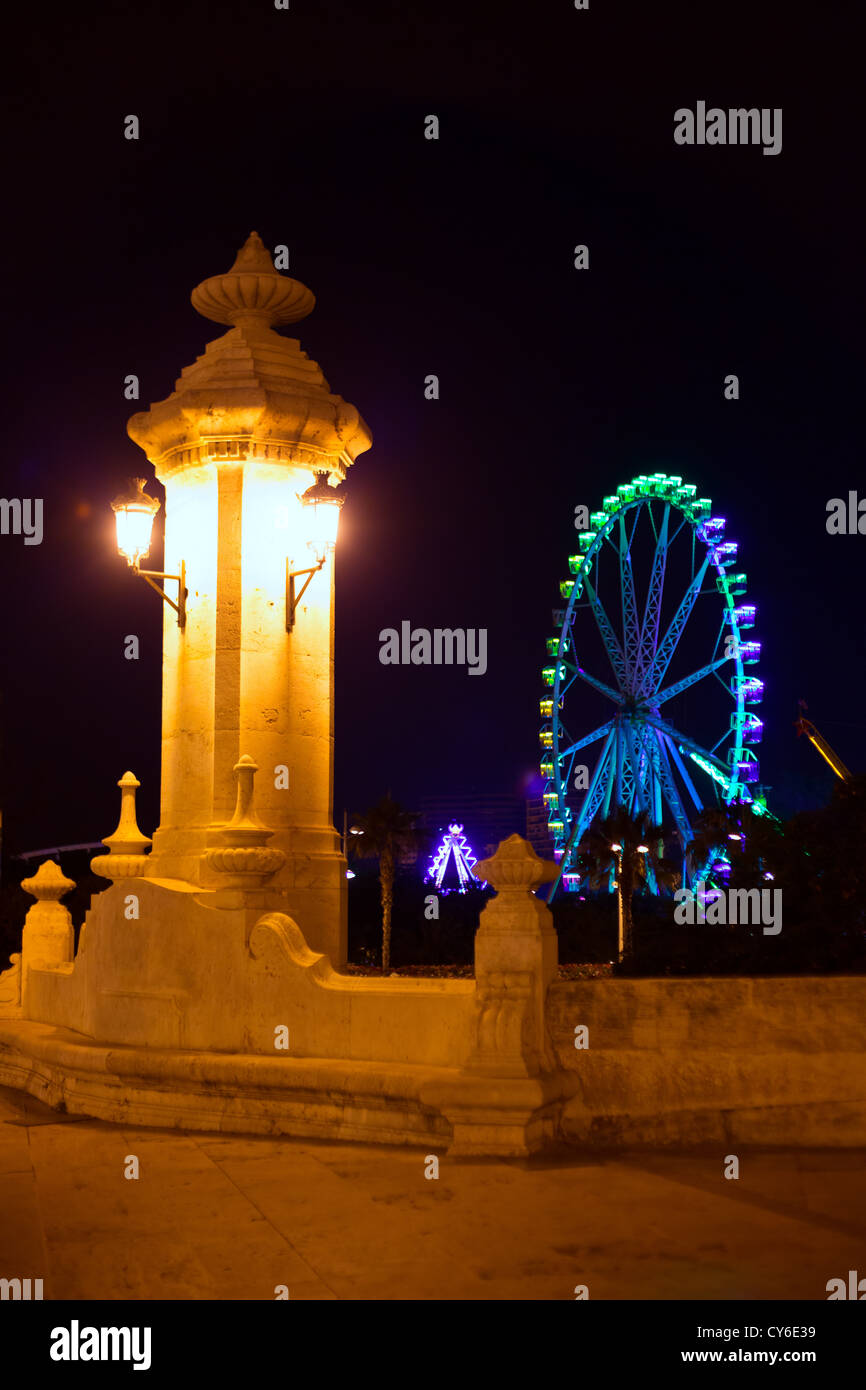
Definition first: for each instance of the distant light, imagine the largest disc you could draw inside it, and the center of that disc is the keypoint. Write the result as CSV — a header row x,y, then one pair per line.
x,y
453,848
617,849
349,873
734,836
643,849
770,876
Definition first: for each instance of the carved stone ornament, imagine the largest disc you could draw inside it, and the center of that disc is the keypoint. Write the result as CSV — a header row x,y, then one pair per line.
x,y
515,868
126,857
242,854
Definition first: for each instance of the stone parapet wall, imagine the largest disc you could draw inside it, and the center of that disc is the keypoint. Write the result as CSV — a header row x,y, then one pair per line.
x,y
773,1060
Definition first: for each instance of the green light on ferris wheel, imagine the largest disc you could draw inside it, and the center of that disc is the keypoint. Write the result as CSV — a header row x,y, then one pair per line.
x,y
711,770
758,807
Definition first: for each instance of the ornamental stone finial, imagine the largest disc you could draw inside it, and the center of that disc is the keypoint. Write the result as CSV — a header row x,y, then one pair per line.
x,y
49,884
245,826
48,938
241,855
515,867
253,293
126,857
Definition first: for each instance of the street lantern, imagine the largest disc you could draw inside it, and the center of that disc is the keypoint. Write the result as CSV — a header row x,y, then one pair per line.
x,y
321,504
134,511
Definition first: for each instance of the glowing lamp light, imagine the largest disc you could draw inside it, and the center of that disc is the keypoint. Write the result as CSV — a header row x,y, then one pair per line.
x,y
643,849
134,512
617,849
322,505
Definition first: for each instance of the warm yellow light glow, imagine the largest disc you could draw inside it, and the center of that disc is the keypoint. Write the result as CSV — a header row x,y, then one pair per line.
x,y
274,529
322,504
134,512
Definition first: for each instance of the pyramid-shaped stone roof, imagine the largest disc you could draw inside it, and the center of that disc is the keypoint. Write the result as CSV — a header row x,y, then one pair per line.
x,y
252,391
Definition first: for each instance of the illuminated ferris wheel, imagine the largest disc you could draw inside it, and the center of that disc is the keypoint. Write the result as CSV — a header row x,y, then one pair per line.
x,y
653,637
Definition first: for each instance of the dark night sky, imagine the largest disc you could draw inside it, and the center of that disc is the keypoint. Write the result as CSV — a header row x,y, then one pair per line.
x,y
455,258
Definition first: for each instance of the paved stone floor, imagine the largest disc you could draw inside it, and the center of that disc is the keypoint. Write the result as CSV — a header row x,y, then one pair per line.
x,y
222,1217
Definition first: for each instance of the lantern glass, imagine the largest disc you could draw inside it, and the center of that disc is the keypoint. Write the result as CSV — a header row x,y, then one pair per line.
x,y
326,519
134,513
134,528
322,505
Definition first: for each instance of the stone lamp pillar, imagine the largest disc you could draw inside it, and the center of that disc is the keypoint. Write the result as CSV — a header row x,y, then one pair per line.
x,y
247,429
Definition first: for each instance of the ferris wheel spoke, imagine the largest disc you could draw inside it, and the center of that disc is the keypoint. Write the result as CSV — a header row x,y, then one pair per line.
x,y
632,793
673,733
565,686
671,792
690,787
611,772
642,764
627,779
670,641
608,636
652,613
591,803
712,765
595,792
590,738
599,685
680,686
643,778
630,626
657,788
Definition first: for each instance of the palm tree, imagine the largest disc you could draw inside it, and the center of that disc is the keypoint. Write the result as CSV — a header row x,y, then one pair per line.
x,y
639,862
386,832
714,828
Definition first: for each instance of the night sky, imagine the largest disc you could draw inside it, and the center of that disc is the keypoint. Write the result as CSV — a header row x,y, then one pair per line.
x,y
452,257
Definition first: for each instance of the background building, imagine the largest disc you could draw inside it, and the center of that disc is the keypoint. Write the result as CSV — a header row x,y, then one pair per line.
x,y
486,818
536,830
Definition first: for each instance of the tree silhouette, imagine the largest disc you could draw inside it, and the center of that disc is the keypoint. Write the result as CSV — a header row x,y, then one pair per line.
x,y
638,871
386,832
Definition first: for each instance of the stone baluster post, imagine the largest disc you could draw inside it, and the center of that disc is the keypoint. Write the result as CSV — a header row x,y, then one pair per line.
x,y
48,938
506,1098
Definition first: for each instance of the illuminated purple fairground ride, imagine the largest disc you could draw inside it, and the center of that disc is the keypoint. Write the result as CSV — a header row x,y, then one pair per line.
x,y
658,608
453,849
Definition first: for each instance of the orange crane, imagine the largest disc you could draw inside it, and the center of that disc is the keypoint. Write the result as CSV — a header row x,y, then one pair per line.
x,y
805,726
